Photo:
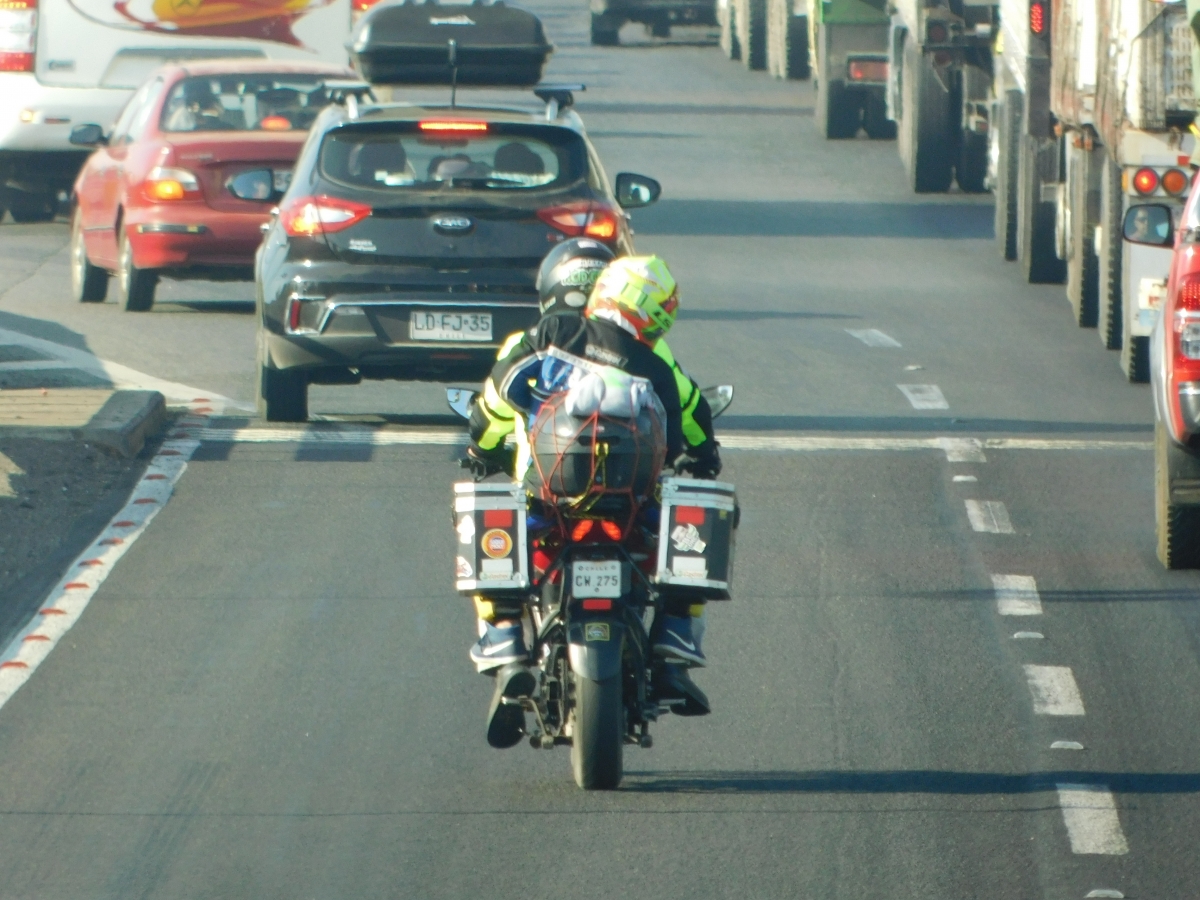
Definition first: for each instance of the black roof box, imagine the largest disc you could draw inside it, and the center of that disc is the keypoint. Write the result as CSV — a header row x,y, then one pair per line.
x,y
496,45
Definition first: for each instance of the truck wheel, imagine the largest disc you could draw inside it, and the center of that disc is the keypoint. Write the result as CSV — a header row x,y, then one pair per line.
x,y
282,394
29,208
89,284
1135,351
1083,267
1008,127
787,41
875,121
752,32
1177,525
727,19
605,31
924,128
659,28
1037,164
135,287
837,112
971,171
1109,256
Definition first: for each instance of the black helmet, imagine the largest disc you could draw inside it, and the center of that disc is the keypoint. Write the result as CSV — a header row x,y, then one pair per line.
x,y
568,273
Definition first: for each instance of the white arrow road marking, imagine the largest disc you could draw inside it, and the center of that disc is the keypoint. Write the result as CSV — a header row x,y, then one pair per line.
x,y
924,396
873,337
1054,691
1016,595
1090,813
989,516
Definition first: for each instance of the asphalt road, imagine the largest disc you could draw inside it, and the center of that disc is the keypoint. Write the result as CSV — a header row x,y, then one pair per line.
x,y
270,695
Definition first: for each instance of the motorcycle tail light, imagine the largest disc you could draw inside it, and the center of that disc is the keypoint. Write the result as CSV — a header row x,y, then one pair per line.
x,y
312,216
1145,182
165,184
597,605
582,529
583,218
612,529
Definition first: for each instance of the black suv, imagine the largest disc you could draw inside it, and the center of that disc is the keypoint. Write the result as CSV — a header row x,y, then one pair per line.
x,y
409,240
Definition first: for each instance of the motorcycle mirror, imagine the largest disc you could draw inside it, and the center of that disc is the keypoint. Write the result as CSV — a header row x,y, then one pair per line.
x,y
719,396
460,400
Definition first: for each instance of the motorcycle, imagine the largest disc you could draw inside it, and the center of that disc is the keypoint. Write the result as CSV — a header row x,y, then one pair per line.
x,y
594,571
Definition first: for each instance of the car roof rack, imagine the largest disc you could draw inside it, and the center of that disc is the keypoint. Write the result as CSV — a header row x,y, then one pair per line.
x,y
557,97
348,92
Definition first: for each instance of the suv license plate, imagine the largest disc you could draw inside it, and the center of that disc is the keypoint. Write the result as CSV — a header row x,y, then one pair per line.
x,y
597,579
426,325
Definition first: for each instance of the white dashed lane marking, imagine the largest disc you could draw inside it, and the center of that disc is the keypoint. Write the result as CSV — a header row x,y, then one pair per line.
x,y
873,337
1090,814
1054,691
1016,595
989,516
924,396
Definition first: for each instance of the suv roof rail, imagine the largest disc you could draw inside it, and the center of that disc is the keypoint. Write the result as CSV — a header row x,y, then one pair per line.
x,y
557,97
348,92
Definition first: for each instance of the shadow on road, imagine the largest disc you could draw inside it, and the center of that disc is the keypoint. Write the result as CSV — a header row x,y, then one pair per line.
x,y
903,782
44,329
928,425
754,315
809,218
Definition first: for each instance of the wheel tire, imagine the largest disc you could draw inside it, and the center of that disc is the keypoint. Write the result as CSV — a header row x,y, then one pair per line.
x,y
135,287
787,42
659,28
875,121
282,394
1135,351
727,19
838,115
89,284
605,31
598,742
924,132
1108,316
971,171
1083,267
1008,127
752,32
1036,243
28,208
1177,526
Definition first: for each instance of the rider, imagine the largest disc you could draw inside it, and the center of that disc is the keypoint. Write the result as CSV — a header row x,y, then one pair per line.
x,y
631,307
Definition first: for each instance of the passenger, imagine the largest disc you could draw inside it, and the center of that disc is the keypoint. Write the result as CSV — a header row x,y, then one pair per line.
x,y
195,108
518,159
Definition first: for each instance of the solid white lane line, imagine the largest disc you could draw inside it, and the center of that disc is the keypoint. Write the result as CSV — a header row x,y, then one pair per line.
x,y
35,365
1054,691
962,449
1066,745
989,516
965,478
1016,595
1090,814
1063,444
1029,636
1104,892
924,396
873,337
343,434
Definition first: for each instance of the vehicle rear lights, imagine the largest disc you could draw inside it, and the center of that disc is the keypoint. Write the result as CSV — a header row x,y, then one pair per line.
x,y
170,184
498,518
597,605
1188,296
689,515
583,218
276,123
1145,181
312,216
612,529
581,530
1174,182
362,5
453,125
18,35
1037,18
868,70
937,33
293,314
1189,340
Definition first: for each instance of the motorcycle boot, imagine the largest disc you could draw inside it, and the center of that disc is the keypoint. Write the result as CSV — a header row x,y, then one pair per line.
x,y
673,687
678,642
498,645
506,720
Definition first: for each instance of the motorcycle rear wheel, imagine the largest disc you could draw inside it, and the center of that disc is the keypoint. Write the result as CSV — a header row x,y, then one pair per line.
x,y
598,741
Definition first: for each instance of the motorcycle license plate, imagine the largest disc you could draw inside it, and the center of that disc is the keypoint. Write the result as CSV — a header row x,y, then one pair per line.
x,y
429,325
597,579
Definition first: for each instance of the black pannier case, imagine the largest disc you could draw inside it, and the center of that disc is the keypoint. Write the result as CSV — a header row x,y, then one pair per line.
x,y
496,45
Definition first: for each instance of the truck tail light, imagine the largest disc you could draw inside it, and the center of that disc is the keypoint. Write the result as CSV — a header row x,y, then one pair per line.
x,y
583,218
170,184
18,35
1037,17
1174,182
873,71
313,216
1145,181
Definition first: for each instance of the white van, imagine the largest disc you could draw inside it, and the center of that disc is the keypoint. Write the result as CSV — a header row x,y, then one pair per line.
x,y
63,62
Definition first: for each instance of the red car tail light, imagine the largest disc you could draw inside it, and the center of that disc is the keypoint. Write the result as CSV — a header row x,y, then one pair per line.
x,y
170,184
18,35
583,218
311,216
1145,181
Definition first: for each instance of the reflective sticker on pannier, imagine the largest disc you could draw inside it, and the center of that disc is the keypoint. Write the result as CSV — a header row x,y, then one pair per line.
x,y
466,529
690,567
687,539
595,631
490,569
496,544
462,568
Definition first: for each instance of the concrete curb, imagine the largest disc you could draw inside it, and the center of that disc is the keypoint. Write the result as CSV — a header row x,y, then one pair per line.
x,y
125,421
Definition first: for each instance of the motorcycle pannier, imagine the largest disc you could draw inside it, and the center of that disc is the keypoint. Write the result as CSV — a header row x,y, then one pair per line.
x,y
696,536
408,43
492,545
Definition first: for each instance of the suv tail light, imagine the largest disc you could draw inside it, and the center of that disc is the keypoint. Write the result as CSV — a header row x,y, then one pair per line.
x,y
170,184
18,35
584,218
312,216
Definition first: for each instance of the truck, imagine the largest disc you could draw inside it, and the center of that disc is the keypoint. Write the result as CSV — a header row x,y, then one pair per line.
x,y
63,62
939,55
1094,103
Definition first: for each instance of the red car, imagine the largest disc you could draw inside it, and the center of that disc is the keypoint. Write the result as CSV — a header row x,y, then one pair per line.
x,y
189,174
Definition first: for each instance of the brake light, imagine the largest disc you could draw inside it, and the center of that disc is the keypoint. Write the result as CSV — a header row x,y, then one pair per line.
x,y
293,314
453,125
597,605
164,184
311,216
18,35
1145,181
1037,18
612,529
581,530
1187,298
1174,182
583,218
359,6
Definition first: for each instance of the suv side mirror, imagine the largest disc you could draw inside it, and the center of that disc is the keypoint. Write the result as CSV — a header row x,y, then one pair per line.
x,y
88,135
1149,224
634,191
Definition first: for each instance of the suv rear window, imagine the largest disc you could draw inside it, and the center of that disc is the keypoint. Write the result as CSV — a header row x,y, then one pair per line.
x,y
417,156
258,102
